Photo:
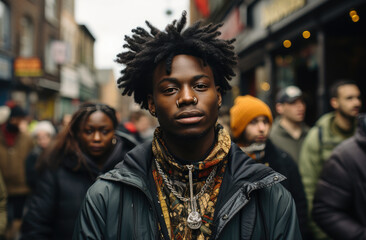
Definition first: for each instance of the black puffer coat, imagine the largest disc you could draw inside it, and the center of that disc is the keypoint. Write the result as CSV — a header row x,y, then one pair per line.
x,y
340,198
53,208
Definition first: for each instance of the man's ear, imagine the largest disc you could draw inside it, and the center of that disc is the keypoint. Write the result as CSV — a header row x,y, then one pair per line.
x,y
219,97
151,104
334,103
279,108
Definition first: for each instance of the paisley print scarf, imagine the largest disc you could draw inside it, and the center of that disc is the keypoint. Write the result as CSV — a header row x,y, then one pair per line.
x,y
175,211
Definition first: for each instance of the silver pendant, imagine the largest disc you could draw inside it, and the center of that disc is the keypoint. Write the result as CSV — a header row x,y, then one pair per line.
x,y
194,220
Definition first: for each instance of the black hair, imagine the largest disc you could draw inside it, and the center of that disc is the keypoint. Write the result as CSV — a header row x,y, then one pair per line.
x,y
335,86
148,49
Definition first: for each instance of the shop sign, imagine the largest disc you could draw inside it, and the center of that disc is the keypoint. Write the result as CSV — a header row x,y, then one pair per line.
x,y
5,68
275,10
232,25
69,83
28,67
60,52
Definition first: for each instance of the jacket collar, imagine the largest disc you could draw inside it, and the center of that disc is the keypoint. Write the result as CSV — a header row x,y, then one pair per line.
x,y
241,172
242,176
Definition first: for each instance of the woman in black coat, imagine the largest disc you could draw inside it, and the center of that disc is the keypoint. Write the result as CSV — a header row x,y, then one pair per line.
x,y
340,199
86,148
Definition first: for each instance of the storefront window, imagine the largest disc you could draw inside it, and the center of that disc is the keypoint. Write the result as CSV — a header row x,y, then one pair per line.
x,y
4,26
68,5
27,37
300,68
50,65
51,10
285,70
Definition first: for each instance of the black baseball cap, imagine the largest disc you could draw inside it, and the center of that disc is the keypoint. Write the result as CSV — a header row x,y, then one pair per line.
x,y
289,94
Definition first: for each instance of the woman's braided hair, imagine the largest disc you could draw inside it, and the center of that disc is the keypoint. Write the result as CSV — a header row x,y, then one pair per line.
x,y
147,50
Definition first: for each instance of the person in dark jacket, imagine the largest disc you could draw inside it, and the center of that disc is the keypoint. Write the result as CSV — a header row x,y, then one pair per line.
x,y
339,203
251,121
190,182
85,149
43,133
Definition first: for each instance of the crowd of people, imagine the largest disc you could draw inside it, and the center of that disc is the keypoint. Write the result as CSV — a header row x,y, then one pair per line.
x,y
206,172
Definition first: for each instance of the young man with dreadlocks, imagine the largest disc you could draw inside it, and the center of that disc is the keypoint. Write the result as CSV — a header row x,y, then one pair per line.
x,y
191,182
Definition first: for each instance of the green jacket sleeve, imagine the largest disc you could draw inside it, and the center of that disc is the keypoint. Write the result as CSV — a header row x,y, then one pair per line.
x,y
310,166
91,220
276,217
284,223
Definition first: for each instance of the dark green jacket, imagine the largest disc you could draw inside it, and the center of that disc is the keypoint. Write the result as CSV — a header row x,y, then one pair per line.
x,y
251,205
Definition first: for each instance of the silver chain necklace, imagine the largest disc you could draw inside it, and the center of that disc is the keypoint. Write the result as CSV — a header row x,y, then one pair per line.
x,y
194,220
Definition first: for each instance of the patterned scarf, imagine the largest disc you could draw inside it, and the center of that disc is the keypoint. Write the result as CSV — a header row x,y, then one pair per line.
x,y
174,210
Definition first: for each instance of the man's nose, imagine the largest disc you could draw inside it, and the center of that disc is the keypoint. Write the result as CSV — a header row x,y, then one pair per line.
x,y
187,96
261,126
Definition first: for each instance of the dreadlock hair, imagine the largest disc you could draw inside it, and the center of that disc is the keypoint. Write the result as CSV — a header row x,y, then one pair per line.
x,y
147,50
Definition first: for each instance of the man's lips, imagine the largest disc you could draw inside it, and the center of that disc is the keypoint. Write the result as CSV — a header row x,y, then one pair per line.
x,y
261,138
189,117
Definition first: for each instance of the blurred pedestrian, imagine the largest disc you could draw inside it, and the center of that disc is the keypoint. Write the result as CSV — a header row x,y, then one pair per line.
x,y
85,148
3,211
330,130
139,126
340,198
66,118
4,114
289,129
43,133
15,145
251,121
145,127
224,118
190,182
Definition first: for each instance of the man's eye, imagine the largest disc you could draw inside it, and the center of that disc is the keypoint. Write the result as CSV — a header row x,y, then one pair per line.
x,y
200,86
169,90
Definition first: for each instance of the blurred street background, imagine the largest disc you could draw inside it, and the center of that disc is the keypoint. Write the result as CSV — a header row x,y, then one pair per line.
x,y
56,54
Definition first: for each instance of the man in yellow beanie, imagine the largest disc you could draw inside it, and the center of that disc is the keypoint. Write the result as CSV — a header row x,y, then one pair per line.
x,y
251,121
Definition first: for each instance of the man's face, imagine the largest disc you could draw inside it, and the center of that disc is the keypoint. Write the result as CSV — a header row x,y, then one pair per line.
x,y
15,123
257,131
189,79
294,112
348,102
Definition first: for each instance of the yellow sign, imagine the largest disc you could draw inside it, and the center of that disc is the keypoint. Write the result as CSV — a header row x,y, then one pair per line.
x,y
275,10
28,67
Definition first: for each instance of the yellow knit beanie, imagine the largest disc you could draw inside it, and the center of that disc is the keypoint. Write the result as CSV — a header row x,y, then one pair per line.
x,y
245,109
